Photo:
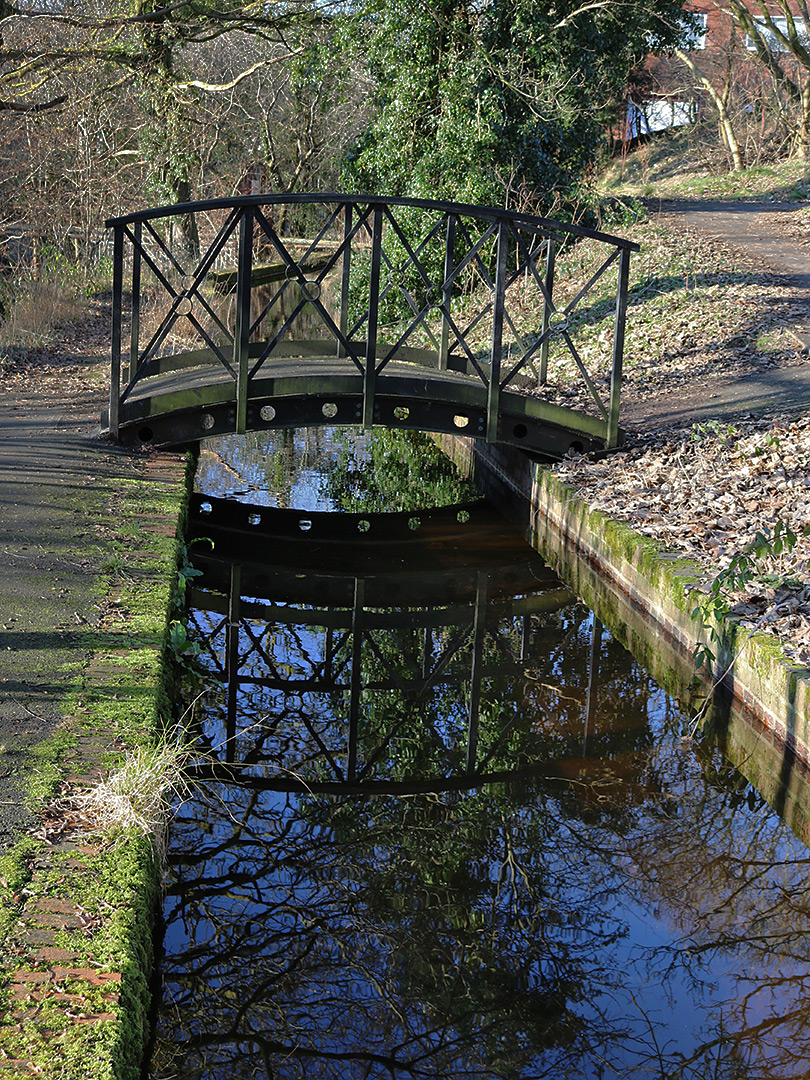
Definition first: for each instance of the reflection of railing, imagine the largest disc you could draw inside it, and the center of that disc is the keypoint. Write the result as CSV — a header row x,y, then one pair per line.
x,y
388,289
355,660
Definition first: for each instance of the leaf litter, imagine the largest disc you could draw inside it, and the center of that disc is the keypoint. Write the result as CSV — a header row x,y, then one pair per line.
x,y
704,492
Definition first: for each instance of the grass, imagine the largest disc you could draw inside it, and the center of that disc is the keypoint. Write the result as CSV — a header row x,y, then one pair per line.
x,y
36,310
116,890
135,799
671,166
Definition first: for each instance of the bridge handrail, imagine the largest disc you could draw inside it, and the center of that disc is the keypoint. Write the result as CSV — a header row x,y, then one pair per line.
x,y
542,225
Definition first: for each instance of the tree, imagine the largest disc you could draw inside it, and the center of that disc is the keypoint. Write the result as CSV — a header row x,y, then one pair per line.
x,y
782,46
720,100
165,63
486,103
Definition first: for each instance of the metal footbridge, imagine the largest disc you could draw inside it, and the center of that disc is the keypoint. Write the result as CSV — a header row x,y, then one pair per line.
x,y
436,316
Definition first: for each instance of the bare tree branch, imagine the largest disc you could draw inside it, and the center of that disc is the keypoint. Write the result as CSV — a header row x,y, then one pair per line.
x,y
38,107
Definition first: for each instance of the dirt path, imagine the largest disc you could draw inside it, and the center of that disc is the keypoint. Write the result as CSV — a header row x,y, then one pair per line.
x,y
770,239
767,232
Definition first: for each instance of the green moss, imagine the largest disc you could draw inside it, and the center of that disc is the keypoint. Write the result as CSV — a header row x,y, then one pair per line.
x,y
124,691
45,765
671,581
676,577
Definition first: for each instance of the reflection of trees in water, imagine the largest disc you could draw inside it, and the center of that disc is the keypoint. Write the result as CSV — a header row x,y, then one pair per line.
x,y
400,470
388,936
461,935
488,932
734,890
483,934
633,911
382,471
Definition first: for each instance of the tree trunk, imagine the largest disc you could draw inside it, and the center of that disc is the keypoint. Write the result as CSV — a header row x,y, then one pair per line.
x,y
803,134
724,119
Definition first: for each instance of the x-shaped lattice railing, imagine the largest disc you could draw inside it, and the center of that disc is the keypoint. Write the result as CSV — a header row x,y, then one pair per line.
x,y
380,281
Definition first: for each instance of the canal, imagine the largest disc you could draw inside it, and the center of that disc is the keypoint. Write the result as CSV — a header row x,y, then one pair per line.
x,y
440,823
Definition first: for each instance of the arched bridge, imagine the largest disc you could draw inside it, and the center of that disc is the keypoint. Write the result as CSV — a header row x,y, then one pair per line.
x,y
405,313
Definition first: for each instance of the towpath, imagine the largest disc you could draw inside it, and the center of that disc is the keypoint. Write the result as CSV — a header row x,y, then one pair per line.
x,y
86,542
59,483
769,241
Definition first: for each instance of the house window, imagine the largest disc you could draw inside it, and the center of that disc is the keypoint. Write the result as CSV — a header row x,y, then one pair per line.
x,y
774,43
695,31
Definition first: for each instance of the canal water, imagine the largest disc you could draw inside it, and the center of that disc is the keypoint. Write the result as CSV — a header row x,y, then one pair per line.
x,y
442,825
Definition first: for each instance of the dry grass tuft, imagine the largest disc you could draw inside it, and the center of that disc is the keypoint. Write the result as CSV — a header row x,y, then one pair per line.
x,y
137,797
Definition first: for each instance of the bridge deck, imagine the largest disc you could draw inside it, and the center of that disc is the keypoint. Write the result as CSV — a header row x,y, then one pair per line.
x,y
185,405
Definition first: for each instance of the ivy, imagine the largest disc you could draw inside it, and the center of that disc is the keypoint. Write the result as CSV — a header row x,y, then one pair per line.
x,y
713,607
505,103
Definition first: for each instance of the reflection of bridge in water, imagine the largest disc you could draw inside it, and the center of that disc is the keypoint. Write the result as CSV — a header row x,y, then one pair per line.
x,y
369,638
409,314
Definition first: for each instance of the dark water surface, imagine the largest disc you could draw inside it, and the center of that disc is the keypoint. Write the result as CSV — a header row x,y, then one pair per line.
x,y
445,826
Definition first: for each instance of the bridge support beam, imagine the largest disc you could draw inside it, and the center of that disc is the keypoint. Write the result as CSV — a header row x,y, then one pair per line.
x,y
241,337
370,377
115,366
612,436
498,302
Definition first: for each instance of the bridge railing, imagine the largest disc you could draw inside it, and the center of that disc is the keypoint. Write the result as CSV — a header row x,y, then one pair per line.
x,y
377,281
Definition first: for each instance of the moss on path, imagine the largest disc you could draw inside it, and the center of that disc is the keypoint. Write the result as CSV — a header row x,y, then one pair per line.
x,y
88,554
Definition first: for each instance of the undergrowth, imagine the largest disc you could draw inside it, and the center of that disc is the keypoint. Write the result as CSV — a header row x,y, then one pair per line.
x,y
747,565
34,306
670,165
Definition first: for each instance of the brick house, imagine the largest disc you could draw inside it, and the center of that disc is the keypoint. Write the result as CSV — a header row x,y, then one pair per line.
x,y
720,66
